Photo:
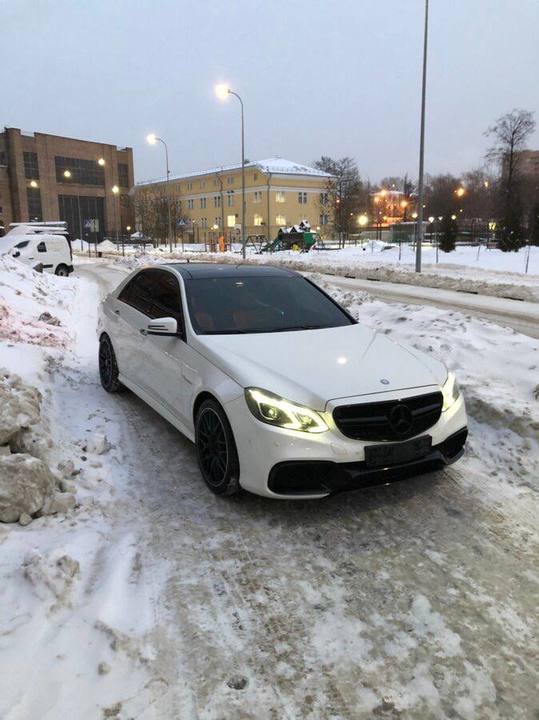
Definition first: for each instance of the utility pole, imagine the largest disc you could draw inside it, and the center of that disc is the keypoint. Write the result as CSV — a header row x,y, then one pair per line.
x,y
422,147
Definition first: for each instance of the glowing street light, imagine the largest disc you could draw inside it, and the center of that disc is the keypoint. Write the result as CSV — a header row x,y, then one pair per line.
x,y
33,183
152,139
453,217
414,216
67,173
101,162
431,219
223,91
460,192
362,220
115,189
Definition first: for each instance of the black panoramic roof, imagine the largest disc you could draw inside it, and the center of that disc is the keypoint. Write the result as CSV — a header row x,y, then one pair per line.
x,y
196,270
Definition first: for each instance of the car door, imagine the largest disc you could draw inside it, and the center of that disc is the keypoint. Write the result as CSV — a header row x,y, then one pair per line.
x,y
128,315
167,356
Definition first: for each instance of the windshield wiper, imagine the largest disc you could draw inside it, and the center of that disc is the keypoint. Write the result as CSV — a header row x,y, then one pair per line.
x,y
225,332
288,328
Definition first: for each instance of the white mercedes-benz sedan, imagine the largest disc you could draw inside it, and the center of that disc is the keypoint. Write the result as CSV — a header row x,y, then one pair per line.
x,y
282,391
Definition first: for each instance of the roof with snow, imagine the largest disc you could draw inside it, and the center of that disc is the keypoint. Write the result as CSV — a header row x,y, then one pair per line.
x,y
277,165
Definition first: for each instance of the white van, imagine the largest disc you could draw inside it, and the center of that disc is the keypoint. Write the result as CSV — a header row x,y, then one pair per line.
x,y
44,252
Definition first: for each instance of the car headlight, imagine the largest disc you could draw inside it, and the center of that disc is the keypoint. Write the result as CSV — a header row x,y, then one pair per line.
x,y
450,391
277,411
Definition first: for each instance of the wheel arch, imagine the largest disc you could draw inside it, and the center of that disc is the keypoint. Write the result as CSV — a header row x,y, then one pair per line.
x,y
205,395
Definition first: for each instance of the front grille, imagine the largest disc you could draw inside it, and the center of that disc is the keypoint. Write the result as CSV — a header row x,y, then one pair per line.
x,y
389,420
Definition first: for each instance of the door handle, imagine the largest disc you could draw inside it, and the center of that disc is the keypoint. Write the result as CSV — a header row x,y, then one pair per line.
x,y
116,312
142,331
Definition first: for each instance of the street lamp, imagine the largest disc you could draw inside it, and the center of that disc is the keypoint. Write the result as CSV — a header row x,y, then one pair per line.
x,y
459,192
223,91
422,145
67,173
101,162
115,190
152,138
33,183
362,220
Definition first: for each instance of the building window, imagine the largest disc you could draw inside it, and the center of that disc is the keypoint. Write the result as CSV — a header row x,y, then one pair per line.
x,y
255,176
189,186
178,188
230,221
323,198
218,221
31,168
202,203
75,170
35,211
230,180
204,222
302,198
280,220
230,198
324,219
123,175
202,183
190,204
216,201
3,157
279,197
257,196
257,220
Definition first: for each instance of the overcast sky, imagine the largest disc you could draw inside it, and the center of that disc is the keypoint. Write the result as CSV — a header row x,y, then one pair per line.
x,y
339,77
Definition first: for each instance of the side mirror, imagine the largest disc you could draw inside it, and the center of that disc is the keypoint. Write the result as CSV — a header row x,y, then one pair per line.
x,y
17,253
162,326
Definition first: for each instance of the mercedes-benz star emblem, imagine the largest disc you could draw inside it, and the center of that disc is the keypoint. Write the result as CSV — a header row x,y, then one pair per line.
x,y
400,419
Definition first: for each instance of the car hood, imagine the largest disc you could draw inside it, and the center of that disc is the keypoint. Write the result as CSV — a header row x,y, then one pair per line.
x,y
315,366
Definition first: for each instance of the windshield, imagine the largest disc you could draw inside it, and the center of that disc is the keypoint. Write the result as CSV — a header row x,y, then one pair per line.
x,y
260,304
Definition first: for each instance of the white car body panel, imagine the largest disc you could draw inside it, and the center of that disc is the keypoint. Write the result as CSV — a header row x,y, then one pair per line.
x,y
317,368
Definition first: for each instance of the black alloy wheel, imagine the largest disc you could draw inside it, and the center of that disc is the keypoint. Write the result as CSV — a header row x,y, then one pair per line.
x,y
216,449
108,367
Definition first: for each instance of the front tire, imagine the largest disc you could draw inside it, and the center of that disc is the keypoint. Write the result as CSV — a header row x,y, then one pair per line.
x,y
108,367
62,271
216,449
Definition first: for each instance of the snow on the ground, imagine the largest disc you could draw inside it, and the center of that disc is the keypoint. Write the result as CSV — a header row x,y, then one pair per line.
x,y
486,271
151,593
67,584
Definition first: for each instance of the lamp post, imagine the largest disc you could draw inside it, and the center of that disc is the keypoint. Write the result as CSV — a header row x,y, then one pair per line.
x,y
115,191
422,146
222,92
152,139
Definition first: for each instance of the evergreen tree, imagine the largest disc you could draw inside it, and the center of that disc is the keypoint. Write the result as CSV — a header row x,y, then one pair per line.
x,y
448,235
511,235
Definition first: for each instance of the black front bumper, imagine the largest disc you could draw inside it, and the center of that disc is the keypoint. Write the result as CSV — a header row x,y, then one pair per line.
x,y
306,477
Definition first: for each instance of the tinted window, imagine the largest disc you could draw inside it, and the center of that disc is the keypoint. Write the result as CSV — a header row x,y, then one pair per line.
x,y
22,244
42,247
260,304
155,293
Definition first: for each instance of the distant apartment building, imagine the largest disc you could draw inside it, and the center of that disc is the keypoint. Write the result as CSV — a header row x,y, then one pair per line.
x,y
278,193
529,162
48,177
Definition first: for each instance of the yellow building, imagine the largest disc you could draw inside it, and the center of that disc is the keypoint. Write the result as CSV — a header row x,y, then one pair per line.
x,y
278,193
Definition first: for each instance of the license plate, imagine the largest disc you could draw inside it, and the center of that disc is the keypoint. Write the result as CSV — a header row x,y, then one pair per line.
x,y
397,453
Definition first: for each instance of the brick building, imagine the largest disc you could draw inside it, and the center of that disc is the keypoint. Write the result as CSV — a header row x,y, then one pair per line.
x,y
48,177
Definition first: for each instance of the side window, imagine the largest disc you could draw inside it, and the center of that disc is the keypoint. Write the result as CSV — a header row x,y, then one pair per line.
x,y
166,296
155,293
137,293
22,244
42,247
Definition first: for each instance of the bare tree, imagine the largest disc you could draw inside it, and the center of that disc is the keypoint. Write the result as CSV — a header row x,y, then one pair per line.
x,y
344,192
510,134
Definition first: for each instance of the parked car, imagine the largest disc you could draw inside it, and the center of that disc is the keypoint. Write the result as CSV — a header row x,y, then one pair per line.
x,y
48,253
282,391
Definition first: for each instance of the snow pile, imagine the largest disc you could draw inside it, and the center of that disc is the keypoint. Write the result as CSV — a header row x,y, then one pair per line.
x,y
34,307
27,484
